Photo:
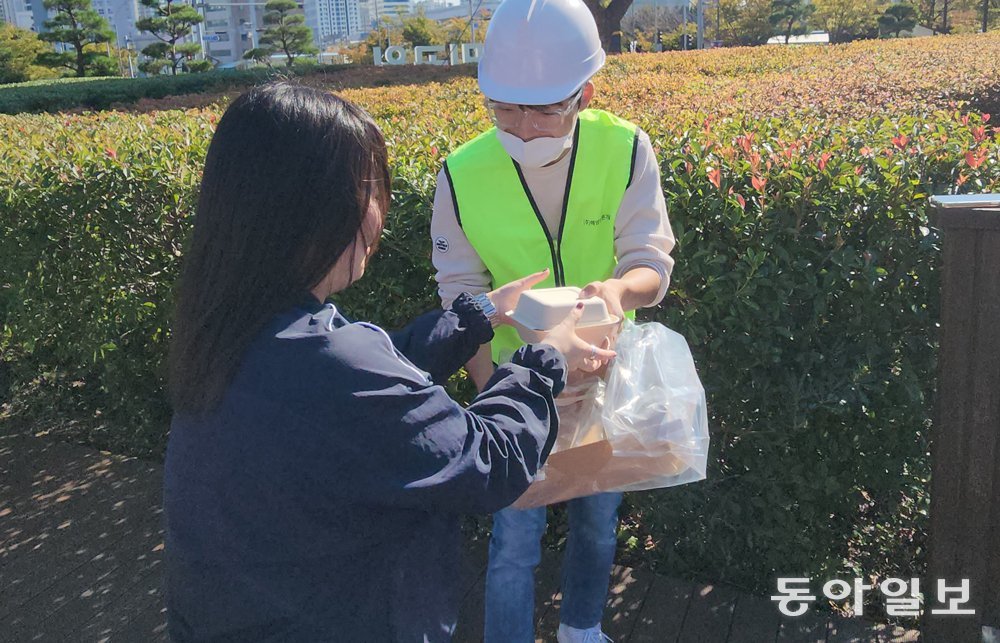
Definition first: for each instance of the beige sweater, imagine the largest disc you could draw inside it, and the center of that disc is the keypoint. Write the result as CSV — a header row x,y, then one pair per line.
x,y
642,231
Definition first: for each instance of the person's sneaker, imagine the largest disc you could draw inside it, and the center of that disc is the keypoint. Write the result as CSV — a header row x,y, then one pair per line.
x,y
567,634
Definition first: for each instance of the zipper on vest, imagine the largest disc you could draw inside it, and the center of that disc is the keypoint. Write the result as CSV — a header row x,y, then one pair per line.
x,y
555,242
565,205
557,269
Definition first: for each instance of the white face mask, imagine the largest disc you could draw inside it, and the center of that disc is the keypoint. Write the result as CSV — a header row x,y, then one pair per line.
x,y
536,152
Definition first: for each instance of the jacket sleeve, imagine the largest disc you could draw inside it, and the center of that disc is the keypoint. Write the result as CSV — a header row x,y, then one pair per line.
x,y
440,342
397,439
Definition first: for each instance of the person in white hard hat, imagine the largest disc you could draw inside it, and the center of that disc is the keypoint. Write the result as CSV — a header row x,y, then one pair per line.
x,y
553,185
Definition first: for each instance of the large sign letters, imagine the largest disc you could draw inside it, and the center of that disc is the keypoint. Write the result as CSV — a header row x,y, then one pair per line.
x,y
428,54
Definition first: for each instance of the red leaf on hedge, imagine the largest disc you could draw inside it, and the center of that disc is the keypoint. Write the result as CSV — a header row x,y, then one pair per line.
x,y
979,133
715,176
742,201
111,153
434,150
758,183
745,141
986,118
900,141
975,159
823,160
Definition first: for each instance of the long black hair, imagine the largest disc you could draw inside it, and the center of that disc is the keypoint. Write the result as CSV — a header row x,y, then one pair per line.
x,y
290,175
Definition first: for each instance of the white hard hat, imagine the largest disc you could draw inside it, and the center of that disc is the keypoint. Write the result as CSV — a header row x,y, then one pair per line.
x,y
539,52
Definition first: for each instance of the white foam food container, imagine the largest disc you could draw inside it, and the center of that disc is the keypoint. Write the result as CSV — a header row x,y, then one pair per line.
x,y
538,311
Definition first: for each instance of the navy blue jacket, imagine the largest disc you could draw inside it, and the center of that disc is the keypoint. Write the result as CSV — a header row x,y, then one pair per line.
x,y
320,500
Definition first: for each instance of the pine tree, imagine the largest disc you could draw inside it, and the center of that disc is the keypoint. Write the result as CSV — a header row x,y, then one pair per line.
x,y
173,21
790,17
77,25
898,18
286,31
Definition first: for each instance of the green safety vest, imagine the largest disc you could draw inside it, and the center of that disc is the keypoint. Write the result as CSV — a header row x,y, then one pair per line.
x,y
499,217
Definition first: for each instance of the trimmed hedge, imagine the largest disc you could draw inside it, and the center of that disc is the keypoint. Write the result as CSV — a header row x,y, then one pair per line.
x,y
79,94
102,93
806,282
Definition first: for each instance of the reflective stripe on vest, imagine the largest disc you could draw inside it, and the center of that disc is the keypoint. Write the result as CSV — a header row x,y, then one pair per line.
x,y
498,214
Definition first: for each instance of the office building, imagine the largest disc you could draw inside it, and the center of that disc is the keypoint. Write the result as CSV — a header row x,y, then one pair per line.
x,y
230,30
335,21
17,13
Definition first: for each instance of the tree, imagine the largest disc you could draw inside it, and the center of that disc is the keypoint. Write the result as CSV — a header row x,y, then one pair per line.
x,y
970,16
105,59
200,65
459,30
608,14
847,20
674,40
286,31
898,18
790,17
76,25
745,22
945,25
642,24
19,52
259,55
171,23
986,13
483,18
927,14
420,31
946,16
388,32
126,59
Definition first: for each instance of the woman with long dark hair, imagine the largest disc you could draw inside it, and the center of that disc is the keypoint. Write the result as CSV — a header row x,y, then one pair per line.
x,y
316,468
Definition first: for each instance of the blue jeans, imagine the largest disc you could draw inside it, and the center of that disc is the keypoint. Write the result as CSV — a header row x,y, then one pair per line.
x,y
516,550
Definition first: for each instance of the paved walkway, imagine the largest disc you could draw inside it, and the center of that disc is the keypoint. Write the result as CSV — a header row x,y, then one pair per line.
x,y
81,559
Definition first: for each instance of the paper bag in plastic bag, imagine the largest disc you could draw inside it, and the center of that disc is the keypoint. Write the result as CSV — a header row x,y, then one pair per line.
x,y
654,405
645,428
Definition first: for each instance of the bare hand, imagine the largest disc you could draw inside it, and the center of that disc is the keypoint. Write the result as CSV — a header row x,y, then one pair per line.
x,y
579,354
610,291
505,297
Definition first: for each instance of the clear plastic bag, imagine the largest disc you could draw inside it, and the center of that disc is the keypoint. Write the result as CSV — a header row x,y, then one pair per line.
x,y
654,406
645,428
